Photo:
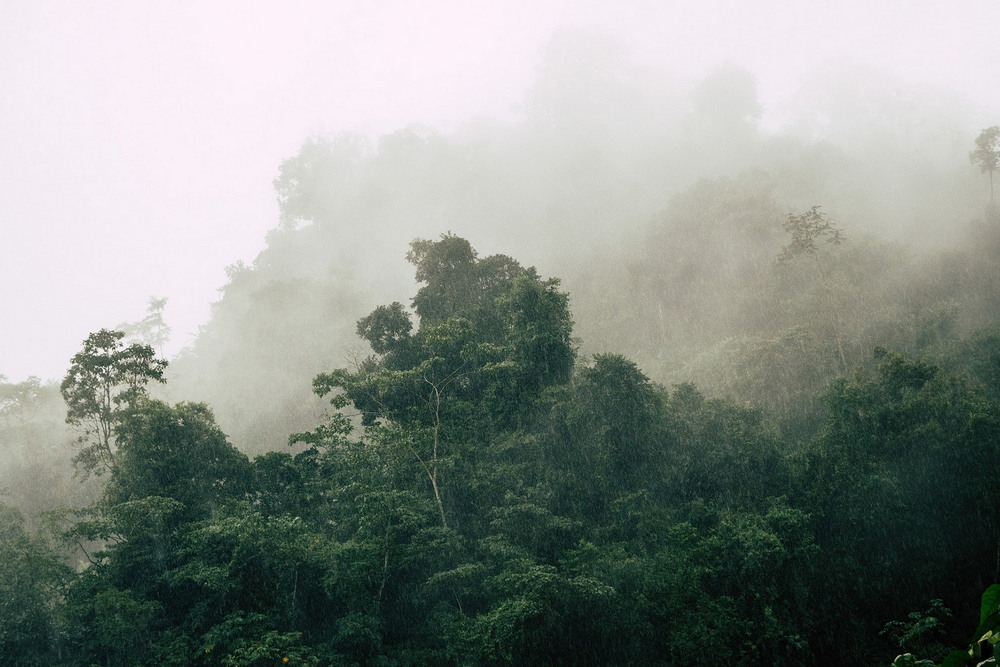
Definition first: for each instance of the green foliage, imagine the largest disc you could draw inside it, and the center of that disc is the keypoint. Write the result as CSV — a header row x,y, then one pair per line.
x,y
176,452
31,578
150,330
894,433
492,337
174,467
112,626
978,356
506,505
106,379
806,232
386,328
534,318
543,617
981,649
987,153
19,402
244,640
491,333
921,633
722,453
909,660
607,435
243,561
448,270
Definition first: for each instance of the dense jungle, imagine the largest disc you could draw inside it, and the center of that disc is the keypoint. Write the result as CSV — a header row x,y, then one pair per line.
x,y
631,380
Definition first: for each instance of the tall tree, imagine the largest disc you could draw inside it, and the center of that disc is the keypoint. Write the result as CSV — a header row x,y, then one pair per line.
x,y
987,153
151,329
806,232
19,401
492,335
488,327
105,380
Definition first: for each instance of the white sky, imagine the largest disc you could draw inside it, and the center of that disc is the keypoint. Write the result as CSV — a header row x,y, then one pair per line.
x,y
138,140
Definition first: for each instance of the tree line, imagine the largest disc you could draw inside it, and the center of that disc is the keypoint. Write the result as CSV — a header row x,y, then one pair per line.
x,y
480,493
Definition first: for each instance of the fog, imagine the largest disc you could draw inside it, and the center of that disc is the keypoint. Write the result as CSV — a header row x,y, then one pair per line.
x,y
259,174
631,323
140,141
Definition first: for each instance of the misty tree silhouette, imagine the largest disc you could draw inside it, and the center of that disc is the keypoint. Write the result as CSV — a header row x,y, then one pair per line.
x,y
987,153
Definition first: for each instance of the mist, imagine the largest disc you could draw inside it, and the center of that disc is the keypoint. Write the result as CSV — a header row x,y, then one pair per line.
x,y
140,144
650,175
642,192
237,188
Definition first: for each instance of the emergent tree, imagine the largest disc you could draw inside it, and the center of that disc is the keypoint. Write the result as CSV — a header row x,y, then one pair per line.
x,y
987,153
492,336
105,381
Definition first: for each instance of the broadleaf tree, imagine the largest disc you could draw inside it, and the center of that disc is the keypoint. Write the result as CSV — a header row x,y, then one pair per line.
x,y
492,335
987,153
106,379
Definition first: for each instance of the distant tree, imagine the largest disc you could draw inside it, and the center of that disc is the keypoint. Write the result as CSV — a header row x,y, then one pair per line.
x,y
728,96
105,380
151,329
987,153
30,577
19,401
725,118
312,184
807,231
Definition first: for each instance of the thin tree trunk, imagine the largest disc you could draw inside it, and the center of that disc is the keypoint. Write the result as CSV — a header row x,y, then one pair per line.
x,y
434,455
431,467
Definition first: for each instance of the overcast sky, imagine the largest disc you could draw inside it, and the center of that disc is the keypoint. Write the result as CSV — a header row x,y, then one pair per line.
x,y
139,139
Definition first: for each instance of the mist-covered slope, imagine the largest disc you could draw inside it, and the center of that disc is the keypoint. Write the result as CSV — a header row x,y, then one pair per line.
x,y
508,501
659,204
650,375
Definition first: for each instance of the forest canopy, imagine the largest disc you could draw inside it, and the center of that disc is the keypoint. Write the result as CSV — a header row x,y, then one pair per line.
x,y
746,424
479,493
